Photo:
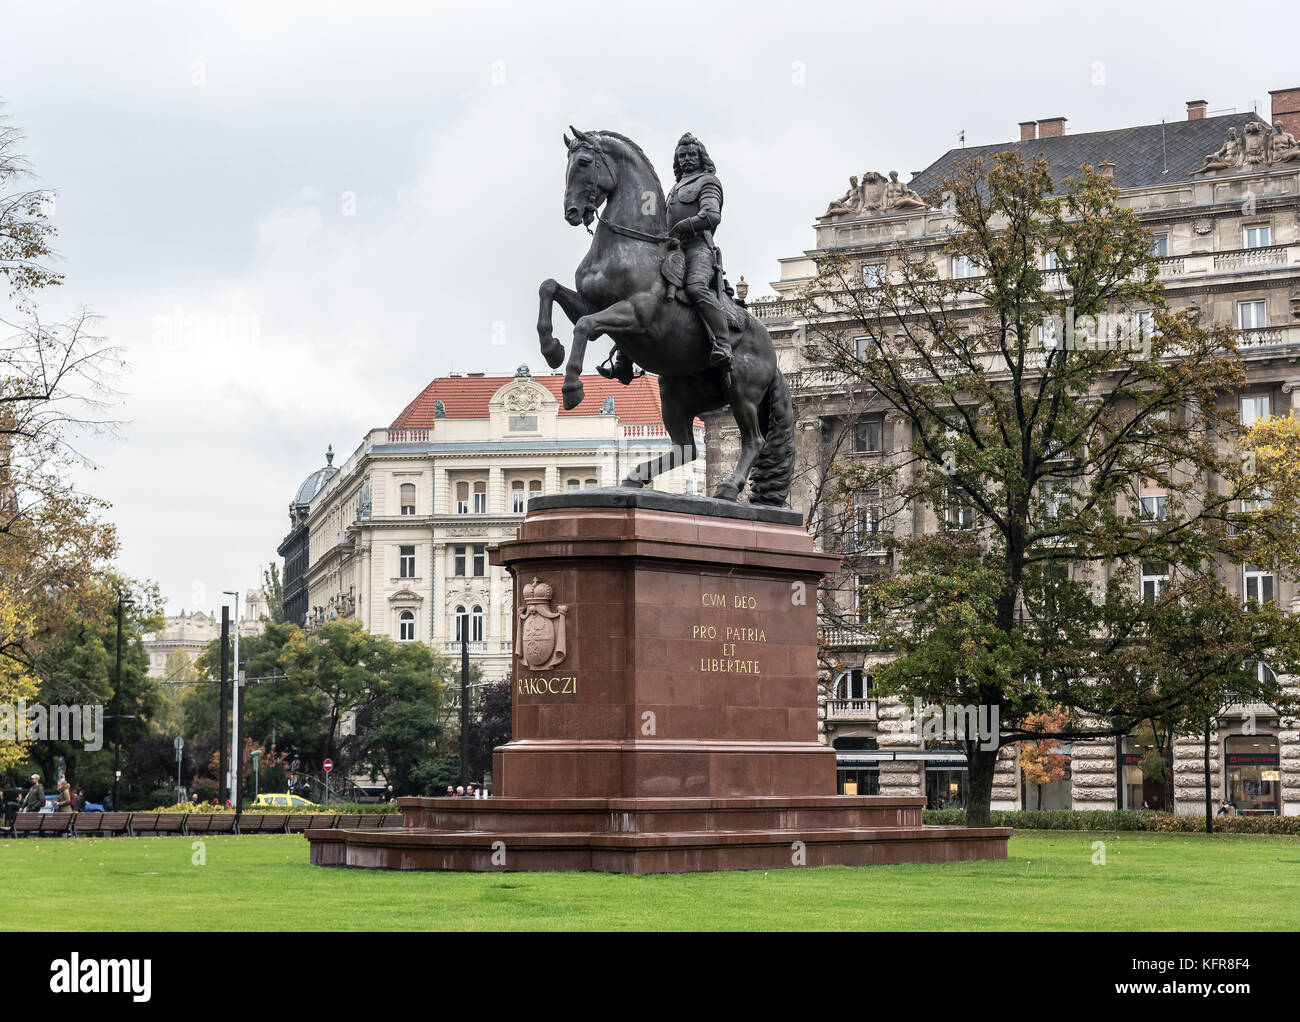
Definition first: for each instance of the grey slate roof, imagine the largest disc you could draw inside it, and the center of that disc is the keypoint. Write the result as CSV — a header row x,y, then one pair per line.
x,y
1139,154
313,484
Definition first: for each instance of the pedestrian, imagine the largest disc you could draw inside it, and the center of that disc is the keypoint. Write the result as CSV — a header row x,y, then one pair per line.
x,y
108,802
64,803
389,796
460,791
35,800
451,792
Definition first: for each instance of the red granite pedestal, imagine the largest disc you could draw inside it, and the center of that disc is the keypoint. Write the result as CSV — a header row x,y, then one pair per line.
x,y
665,709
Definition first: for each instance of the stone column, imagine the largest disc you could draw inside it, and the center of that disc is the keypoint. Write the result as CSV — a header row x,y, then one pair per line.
x,y
1189,773
1006,779
496,495
1092,766
1288,743
441,492
552,483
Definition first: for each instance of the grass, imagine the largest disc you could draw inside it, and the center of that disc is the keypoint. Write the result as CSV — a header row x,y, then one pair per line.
x,y
1049,882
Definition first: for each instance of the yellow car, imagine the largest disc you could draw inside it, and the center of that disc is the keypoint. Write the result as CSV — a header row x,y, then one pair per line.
x,y
284,799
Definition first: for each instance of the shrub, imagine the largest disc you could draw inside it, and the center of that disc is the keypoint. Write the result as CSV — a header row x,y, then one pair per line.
x,y
1118,820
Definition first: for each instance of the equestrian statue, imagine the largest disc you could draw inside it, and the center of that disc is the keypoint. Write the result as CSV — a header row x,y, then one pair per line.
x,y
652,282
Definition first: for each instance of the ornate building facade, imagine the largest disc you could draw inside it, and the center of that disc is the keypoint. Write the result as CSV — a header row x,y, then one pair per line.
x,y
398,536
1221,196
190,633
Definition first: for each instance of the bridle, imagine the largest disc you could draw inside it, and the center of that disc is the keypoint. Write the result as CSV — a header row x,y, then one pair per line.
x,y
628,232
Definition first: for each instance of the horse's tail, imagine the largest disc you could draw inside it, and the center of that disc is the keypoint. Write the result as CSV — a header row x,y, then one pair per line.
x,y
773,469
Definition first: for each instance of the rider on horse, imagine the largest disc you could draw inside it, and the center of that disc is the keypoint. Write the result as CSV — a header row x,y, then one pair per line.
x,y
694,211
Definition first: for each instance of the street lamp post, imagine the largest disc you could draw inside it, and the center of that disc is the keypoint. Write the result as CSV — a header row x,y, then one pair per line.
x,y
256,757
234,712
117,712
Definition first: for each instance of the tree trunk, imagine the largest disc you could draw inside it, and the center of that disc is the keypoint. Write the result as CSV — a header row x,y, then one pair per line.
x,y
979,777
1209,814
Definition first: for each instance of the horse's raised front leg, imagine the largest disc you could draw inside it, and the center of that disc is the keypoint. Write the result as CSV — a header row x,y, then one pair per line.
x,y
574,307
621,316
679,420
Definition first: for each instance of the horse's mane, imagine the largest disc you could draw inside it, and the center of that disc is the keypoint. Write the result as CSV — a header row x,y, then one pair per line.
x,y
638,150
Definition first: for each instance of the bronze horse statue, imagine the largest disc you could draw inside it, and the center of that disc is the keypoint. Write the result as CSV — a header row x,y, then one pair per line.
x,y
622,293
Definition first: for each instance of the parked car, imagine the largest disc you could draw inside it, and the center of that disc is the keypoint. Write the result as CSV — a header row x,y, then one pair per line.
x,y
282,799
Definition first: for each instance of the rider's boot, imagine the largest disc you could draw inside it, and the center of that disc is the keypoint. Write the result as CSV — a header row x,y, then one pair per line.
x,y
715,325
617,367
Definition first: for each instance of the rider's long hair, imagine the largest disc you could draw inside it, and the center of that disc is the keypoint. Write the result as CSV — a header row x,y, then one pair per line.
x,y
705,162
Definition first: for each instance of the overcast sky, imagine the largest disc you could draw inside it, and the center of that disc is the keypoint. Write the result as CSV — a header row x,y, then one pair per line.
x,y
292,216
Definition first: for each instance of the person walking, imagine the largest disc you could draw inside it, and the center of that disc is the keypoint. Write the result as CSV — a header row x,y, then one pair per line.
x,y
35,800
64,803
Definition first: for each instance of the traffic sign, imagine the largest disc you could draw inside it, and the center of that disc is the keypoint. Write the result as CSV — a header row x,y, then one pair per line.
x,y
329,765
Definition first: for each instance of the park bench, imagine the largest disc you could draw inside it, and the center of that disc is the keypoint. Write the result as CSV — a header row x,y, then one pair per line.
x,y
311,821
263,823
101,824
352,820
210,823
158,823
370,821
391,820
42,824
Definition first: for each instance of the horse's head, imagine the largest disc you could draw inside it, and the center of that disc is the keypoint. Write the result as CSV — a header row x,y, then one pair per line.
x,y
589,179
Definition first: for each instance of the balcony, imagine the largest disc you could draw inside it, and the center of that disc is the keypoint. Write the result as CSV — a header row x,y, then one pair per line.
x,y
494,647
1270,255
852,709
846,638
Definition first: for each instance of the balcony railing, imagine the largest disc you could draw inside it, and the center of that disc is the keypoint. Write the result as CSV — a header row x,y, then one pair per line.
x,y
408,436
495,646
781,309
852,709
842,638
1264,256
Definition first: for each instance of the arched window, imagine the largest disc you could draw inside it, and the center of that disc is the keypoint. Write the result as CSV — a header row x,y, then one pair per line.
x,y
408,498
406,626
476,624
853,684
518,502
462,622
480,498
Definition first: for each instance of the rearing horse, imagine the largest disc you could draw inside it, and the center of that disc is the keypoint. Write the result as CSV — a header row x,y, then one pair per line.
x,y
622,293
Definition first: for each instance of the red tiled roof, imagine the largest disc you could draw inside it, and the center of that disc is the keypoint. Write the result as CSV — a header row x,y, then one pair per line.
x,y
467,397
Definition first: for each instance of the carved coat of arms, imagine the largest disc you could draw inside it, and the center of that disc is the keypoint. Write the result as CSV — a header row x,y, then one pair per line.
x,y
540,637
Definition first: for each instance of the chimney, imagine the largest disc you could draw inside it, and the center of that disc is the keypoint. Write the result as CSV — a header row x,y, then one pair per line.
x,y
1028,130
1196,109
1051,127
1286,108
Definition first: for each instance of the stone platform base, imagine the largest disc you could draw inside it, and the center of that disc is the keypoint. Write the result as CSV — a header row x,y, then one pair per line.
x,y
655,835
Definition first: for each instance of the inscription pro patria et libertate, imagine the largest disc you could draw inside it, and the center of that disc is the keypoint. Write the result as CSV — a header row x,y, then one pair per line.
x,y
739,646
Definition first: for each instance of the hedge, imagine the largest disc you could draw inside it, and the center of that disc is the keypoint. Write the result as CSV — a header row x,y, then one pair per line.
x,y
1117,820
338,808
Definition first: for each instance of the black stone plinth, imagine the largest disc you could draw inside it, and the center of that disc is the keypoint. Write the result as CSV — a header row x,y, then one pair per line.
x,y
687,504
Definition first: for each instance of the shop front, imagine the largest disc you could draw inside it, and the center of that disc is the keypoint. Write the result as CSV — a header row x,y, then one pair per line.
x,y
1145,775
1252,768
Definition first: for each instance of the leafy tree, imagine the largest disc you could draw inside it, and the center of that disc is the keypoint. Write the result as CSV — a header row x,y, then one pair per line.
x,y
1033,416
489,727
1041,760
274,586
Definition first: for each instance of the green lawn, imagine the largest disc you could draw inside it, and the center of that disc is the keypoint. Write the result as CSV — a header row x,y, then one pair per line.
x,y
1149,882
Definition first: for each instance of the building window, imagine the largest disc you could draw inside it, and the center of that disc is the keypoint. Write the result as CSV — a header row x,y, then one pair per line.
x,y
405,626
1154,500
480,498
1144,322
853,684
476,624
518,498
1146,777
873,274
480,561
958,514
1252,315
1051,261
866,346
1056,498
534,488
406,562
1160,245
1259,236
407,499
573,485
866,606
866,520
1259,584
462,498
458,561
1049,334
1254,773
1155,580
866,436
589,484
462,623
964,267
1254,408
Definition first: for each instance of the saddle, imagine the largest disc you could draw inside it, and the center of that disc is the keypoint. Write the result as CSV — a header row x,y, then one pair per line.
x,y
673,270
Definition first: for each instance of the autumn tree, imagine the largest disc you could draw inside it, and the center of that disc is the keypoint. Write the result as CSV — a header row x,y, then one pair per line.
x,y
1041,760
1037,411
